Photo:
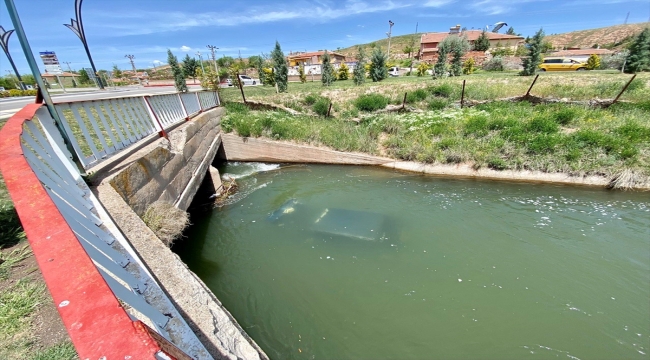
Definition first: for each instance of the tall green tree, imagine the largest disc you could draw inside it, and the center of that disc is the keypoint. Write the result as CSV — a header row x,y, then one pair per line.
x,y
326,69
359,72
117,73
482,43
535,48
511,31
639,57
190,66
457,46
378,69
225,61
83,76
255,61
280,68
179,77
440,68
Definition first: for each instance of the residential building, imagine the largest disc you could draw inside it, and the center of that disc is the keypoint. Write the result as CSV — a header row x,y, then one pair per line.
x,y
313,58
65,77
429,42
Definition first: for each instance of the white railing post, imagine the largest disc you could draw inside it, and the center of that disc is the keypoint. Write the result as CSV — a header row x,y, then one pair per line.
x,y
157,124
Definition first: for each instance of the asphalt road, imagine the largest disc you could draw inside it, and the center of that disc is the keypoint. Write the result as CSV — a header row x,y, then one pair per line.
x,y
9,106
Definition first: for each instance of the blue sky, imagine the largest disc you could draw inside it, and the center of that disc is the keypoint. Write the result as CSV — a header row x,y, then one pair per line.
x,y
147,28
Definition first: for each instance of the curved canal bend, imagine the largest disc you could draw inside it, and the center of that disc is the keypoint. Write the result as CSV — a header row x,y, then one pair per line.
x,y
324,262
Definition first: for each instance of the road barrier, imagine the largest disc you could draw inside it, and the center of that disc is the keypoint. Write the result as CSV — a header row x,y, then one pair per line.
x,y
96,279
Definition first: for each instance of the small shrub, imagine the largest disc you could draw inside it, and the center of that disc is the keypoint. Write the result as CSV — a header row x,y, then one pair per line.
x,y
494,64
477,125
542,144
311,99
437,104
15,92
166,221
593,62
501,123
443,90
447,143
321,106
236,108
497,164
564,116
468,66
417,95
371,102
542,124
634,132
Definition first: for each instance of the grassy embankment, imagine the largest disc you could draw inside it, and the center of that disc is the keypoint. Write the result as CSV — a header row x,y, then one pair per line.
x,y
573,139
21,293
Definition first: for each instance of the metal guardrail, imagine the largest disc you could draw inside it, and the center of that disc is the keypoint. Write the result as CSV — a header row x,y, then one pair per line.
x,y
86,266
99,129
44,151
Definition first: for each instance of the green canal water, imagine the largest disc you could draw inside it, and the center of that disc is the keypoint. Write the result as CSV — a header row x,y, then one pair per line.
x,y
333,262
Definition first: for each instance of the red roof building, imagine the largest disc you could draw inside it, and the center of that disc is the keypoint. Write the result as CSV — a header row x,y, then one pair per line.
x,y
429,42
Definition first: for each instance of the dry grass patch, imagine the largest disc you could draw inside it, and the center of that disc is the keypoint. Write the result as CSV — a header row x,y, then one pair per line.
x,y
166,221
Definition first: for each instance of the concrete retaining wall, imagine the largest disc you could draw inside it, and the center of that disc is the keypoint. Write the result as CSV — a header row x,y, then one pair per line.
x,y
171,170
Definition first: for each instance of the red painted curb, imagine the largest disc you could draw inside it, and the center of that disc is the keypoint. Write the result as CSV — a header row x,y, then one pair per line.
x,y
96,322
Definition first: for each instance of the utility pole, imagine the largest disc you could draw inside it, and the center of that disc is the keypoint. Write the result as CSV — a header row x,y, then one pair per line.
x,y
135,72
74,84
201,61
626,17
214,59
416,36
390,31
11,75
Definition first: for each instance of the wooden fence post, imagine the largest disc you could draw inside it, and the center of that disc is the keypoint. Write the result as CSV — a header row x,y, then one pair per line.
x,y
624,88
241,88
531,85
462,96
404,101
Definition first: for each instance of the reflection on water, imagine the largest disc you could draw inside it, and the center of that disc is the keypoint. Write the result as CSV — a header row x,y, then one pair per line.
x,y
330,262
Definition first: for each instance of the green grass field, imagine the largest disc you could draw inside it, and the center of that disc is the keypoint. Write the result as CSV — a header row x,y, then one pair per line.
x,y
572,139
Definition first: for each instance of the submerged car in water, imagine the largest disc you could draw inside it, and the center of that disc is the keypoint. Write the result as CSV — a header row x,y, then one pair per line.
x,y
333,222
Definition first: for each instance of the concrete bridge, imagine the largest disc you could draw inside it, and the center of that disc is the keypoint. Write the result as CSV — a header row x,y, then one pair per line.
x,y
120,291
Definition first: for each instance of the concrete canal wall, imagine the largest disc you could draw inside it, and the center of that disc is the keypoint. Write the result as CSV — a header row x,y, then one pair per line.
x,y
172,170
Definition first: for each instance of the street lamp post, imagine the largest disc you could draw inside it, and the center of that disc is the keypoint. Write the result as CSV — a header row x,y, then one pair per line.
x,y
4,43
390,31
135,72
77,27
214,59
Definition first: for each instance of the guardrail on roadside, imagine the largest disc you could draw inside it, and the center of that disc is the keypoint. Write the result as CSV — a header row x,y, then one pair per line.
x,y
99,129
96,279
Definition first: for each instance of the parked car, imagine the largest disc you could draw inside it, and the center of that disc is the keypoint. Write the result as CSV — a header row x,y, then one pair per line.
x,y
394,71
562,64
29,87
225,83
2,88
247,80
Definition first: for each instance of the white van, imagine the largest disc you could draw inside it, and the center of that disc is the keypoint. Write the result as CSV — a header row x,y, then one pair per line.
x,y
394,71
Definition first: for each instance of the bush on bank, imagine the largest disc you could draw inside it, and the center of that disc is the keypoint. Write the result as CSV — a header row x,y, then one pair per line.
x,y
500,135
16,92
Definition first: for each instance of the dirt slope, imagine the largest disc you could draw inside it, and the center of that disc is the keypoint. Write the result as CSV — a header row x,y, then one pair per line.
x,y
612,37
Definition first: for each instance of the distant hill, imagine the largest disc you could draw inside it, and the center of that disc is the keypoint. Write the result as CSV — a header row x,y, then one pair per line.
x,y
612,37
397,44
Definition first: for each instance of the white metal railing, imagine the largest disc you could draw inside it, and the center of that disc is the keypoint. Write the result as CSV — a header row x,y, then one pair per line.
x,y
208,99
191,103
99,129
46,154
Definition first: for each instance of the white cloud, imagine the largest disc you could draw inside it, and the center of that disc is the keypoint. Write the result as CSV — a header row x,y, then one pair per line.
x,y
437,3
153,22
186,48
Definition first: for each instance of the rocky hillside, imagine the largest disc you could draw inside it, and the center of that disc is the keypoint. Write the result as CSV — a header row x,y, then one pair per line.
x,y
612,37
